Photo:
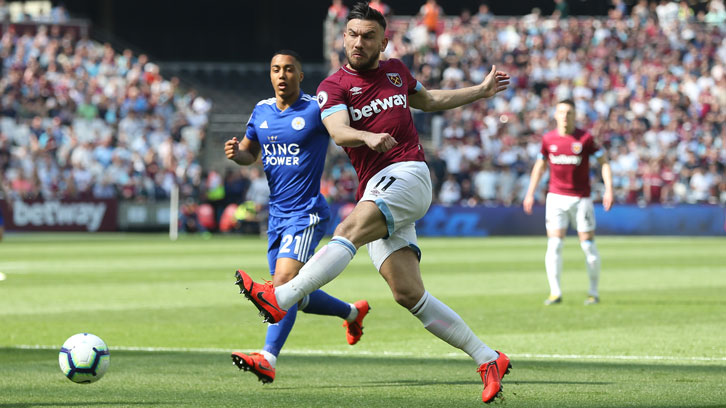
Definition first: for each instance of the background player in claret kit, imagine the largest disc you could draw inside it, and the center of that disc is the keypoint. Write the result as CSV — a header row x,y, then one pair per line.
x,y
365,107
567,151
287,130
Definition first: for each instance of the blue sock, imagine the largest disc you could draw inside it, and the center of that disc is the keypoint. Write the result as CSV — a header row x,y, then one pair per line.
x,y
321,303
277,333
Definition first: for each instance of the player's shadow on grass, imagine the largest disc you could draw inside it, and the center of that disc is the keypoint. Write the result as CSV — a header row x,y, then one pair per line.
x,y
408,372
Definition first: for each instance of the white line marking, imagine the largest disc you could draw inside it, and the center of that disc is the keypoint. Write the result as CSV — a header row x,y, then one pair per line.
x,y
307,352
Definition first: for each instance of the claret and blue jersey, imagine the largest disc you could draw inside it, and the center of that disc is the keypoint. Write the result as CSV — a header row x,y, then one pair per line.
x,y
293,145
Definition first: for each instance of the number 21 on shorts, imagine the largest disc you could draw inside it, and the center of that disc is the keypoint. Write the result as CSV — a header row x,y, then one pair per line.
x,y
287,241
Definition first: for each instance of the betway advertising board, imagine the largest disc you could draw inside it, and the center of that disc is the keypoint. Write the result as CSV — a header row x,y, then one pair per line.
x,y
61,215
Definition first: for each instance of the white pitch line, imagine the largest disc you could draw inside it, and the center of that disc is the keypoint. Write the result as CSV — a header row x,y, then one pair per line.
x,y
307,352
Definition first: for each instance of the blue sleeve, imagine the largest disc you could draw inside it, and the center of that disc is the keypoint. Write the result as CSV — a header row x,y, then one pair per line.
x,y
251,132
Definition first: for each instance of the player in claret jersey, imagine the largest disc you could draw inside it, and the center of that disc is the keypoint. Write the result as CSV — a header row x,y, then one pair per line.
x,y
365,107
567,151
287,131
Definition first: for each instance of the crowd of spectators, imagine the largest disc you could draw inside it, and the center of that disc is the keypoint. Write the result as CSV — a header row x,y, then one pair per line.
x,y
649,81
79,120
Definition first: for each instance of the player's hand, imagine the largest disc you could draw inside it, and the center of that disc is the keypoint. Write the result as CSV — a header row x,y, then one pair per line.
x,y
607,200
495,82
380,142
528,203
231,148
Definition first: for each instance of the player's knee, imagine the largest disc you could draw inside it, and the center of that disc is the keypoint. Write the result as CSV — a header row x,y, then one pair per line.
x,y
407,297
590,250
554,245
345,229
360,231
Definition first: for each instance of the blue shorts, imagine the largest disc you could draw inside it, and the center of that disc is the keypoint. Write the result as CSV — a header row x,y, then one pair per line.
x,y
2,220
295,237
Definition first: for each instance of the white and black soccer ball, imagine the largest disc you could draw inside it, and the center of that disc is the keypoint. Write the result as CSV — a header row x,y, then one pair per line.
x,y
84,358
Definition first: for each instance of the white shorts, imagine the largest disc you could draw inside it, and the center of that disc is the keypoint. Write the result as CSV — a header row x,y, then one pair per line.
x,y
561,210
402,191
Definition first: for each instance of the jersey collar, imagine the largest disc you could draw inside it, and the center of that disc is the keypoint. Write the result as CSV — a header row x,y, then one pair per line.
x,y
293,106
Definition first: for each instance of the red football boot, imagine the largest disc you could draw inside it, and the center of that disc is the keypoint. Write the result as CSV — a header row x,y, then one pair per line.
x,y
256,363
491,375
262,296
354,330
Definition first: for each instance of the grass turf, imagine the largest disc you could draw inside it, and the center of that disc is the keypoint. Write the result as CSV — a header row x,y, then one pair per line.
x,y
170,313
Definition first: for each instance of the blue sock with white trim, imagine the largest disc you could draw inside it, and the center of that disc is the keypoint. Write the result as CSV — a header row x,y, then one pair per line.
x,y
322,303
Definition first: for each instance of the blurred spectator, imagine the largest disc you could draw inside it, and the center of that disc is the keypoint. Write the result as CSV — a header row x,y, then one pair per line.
x,y
430,14
562,9
381,7
716,13
334,25
484,16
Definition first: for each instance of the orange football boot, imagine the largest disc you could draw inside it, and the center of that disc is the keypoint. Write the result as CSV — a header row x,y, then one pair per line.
x,y
491,375
354,330
256,363
261,295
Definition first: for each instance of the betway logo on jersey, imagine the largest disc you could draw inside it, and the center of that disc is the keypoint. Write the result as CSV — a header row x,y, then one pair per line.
x,y
565,159
276,154
377,106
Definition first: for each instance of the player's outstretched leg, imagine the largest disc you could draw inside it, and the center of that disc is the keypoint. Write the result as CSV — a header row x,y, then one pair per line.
x,y
447,325
322,268
261,295
492,374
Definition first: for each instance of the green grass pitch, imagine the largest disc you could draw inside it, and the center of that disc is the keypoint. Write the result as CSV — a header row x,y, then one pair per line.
x,y
170,313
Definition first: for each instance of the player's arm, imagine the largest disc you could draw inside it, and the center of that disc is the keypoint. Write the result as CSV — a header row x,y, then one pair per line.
x,y
607,178
338,125
537,171
243,152
443,99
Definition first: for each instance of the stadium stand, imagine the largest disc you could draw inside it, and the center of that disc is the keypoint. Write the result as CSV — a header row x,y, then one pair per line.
x,y
650,84
80,120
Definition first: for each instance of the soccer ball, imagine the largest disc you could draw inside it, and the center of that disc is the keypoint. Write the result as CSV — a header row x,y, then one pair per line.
x,y
84,358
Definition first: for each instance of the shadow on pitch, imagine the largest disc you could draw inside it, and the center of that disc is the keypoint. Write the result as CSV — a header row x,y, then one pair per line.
x,y
408,372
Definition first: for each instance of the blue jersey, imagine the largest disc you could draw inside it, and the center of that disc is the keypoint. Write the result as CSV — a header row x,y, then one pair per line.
x,y
294,143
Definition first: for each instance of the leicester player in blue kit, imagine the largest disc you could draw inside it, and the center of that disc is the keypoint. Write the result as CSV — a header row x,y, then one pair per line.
x,y
289,134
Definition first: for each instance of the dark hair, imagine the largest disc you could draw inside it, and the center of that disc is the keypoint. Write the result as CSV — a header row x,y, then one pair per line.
x,y
361,11
290,53
567,102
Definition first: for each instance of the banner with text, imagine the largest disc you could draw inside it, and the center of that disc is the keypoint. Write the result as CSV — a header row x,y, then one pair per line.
x,y
481,221
60,215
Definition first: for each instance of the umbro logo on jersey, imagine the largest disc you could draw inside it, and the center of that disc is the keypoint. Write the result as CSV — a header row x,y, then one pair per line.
x,y
263,125
356,90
